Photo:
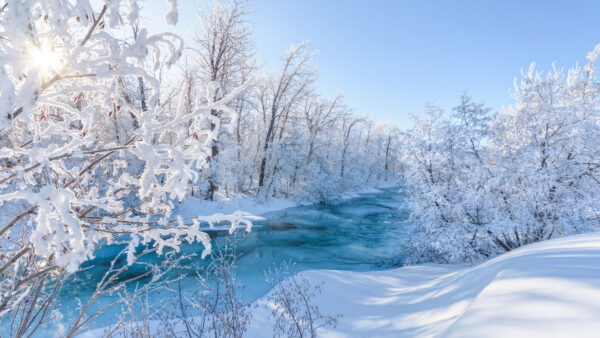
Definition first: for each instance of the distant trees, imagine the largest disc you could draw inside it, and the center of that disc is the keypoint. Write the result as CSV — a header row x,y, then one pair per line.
x,y
278,96
277,137
348,122
483,183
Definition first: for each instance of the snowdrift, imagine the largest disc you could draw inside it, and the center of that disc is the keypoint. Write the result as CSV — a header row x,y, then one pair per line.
x,y
549,289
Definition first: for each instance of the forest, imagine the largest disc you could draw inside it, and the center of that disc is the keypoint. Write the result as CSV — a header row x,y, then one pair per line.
x,y
107,130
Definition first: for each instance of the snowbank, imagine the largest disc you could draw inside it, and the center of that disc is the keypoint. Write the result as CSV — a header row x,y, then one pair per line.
x,y
194,207
549,289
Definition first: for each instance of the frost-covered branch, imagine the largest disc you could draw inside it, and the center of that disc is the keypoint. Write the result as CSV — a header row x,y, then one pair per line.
x,y
72,187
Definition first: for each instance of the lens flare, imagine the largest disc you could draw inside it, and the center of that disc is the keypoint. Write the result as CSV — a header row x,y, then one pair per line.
x,y
47,59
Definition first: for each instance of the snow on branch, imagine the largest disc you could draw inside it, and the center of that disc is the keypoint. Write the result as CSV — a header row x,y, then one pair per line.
x,y
64,68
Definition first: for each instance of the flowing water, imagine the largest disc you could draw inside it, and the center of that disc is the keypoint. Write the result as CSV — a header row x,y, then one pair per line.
x,y
359,234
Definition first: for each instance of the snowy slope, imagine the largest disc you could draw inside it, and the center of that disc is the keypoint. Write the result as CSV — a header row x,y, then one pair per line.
x,y
549,289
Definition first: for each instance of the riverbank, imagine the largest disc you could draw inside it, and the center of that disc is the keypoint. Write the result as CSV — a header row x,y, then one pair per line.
x,y
364,233
548,289
247,203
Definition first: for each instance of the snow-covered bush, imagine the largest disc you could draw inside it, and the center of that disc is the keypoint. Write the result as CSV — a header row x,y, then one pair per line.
x,y
482,184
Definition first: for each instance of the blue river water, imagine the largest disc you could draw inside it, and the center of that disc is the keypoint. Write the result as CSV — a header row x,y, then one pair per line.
x,y
358,234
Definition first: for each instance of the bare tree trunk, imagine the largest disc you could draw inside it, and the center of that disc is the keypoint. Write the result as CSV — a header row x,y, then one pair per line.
x,y
212,185
387,151
263,162
142,95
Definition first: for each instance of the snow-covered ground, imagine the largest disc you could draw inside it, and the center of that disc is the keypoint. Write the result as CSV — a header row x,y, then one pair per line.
x,y
226,205
549,289
194,206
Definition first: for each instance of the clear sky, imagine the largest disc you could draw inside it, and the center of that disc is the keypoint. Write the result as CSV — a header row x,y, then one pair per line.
x,y
390,58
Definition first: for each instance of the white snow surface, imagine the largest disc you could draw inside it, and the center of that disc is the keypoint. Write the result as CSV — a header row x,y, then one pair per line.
x,y
548,289
191,206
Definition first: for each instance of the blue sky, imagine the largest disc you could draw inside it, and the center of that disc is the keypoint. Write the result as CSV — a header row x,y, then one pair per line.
x,y
390,58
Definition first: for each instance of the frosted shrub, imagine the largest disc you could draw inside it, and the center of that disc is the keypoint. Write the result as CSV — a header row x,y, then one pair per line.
x,y
481,184
292,299
215,309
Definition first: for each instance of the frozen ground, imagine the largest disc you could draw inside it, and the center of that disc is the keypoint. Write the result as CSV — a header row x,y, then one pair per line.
x,y
549,289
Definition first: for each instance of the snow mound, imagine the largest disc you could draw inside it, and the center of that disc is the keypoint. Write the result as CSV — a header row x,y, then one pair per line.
x,y
549,289
194,206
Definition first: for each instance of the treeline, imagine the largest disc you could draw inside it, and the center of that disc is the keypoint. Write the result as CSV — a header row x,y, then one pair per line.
x,y
278,137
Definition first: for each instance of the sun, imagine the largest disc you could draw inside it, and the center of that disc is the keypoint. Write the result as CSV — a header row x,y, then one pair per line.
x,y
47,59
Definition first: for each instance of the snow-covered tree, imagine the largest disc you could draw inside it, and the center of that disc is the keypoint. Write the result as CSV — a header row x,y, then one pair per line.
x,y
67,67
482,184
278,95
224,52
